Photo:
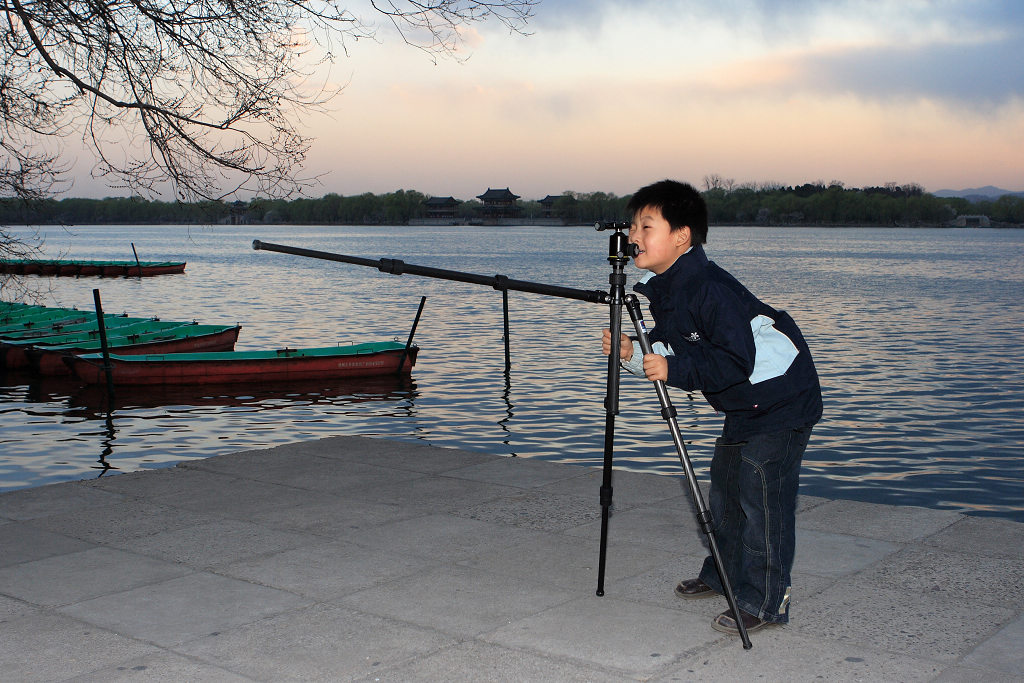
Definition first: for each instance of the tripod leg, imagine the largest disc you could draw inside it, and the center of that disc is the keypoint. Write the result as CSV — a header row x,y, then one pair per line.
x,y
611,406
668,412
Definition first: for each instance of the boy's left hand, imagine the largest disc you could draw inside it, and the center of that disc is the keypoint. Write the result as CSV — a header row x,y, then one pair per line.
x,y
656,367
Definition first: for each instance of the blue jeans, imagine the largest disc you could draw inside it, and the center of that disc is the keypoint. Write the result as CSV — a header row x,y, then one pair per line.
x,y
753,507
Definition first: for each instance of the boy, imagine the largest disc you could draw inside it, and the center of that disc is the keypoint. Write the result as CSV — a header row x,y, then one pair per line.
x,y
752,364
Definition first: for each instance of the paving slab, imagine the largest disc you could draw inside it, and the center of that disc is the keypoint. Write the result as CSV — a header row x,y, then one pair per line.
x,y
871,520
534,509
437,537
183,609
25,543
1001,652
120,521
478,661
53,499
11,607
325,571
615,634
793,656
218,542
518,472
955,576
399,455
74,577
568,561
164,666
337,514
458,600
46,646
981,535
629,489
899,621
355,558
323,643
429,493
669,524
828,554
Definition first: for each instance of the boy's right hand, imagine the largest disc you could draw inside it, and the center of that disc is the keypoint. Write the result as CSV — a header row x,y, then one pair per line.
x,y
625,345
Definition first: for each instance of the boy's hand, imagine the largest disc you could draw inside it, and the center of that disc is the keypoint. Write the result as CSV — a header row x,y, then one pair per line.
x,y
656,367
625,345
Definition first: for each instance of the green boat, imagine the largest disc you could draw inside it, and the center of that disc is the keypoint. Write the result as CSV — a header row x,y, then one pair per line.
x,y
49,360
114,325
61,328
41,318
13,353
232,367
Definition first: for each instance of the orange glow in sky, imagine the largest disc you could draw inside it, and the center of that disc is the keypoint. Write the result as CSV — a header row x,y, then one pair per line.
x,y
608,96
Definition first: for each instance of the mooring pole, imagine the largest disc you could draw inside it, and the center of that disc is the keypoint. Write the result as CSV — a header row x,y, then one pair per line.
x,y
508,355
412,332
137,261
108,369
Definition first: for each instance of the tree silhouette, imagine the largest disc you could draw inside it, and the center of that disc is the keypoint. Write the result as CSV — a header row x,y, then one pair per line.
x,y
201,96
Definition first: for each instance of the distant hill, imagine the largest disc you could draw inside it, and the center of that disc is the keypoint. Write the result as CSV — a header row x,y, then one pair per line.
x,y
978,193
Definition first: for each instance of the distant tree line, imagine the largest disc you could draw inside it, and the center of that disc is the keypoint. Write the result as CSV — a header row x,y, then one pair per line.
x,y
814,204
833,204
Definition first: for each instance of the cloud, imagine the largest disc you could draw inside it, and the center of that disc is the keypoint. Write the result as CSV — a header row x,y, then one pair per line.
x,y
982,74
963,53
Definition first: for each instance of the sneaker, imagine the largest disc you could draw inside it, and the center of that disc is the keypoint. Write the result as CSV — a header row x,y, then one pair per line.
x,y
694,588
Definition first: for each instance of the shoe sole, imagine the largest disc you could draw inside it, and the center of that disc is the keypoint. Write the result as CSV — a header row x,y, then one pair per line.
x,y
733,631
694,596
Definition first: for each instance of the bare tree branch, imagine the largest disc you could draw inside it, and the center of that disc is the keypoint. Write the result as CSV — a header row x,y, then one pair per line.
x,y
208,94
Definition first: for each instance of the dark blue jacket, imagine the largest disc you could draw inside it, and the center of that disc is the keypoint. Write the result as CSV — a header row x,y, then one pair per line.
x,y
704,314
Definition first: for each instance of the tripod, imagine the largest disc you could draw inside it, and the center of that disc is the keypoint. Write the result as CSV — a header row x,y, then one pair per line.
x,y
619,251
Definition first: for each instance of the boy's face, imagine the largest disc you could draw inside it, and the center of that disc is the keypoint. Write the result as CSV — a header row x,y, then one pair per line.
x,y
659,245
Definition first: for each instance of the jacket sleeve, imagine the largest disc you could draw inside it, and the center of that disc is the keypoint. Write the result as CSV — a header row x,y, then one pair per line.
x,y
635,364
724,354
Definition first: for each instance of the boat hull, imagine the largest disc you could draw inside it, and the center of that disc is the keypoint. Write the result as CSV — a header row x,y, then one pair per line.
x,y
50,362
74,268
14,352
358,360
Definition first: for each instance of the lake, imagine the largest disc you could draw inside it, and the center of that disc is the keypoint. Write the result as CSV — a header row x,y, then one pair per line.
x,y
916,333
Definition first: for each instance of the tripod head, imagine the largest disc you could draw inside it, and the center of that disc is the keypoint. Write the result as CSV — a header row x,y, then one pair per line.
x,y
619,248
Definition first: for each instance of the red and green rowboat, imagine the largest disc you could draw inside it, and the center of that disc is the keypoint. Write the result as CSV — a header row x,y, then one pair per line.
x,y
228,367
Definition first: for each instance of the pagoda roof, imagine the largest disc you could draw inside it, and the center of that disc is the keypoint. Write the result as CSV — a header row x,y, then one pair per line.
x,y
552,198
497,195
441,201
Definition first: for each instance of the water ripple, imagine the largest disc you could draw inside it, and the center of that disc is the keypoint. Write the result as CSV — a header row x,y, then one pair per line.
x,y
917,343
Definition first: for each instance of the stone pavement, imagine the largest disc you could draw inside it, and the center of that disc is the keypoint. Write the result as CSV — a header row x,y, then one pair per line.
x,y
352,558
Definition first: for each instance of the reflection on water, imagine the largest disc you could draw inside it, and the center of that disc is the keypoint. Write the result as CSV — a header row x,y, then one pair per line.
x,y
146,426
915,332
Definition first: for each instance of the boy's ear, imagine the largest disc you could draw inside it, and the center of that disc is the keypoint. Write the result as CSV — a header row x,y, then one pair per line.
x,y
683,235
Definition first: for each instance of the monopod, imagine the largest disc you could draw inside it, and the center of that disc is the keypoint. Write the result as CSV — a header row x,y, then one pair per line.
x,y
619,252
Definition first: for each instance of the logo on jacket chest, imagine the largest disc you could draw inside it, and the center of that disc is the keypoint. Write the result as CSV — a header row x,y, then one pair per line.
x,y
693,337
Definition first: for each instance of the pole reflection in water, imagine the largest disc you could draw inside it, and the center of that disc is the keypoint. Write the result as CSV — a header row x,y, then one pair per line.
x,y
170,423
110,434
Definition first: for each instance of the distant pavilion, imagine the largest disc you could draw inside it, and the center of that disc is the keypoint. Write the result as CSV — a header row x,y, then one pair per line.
x,y
441,208
499,204
550,205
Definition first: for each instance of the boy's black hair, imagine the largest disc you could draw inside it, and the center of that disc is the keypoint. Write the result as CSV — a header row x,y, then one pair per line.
x,y
680,204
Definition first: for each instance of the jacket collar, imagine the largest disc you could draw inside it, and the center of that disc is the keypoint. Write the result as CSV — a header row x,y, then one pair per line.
x,y
685,267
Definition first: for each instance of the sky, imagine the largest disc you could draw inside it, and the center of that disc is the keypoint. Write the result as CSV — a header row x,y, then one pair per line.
x,y
609,96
